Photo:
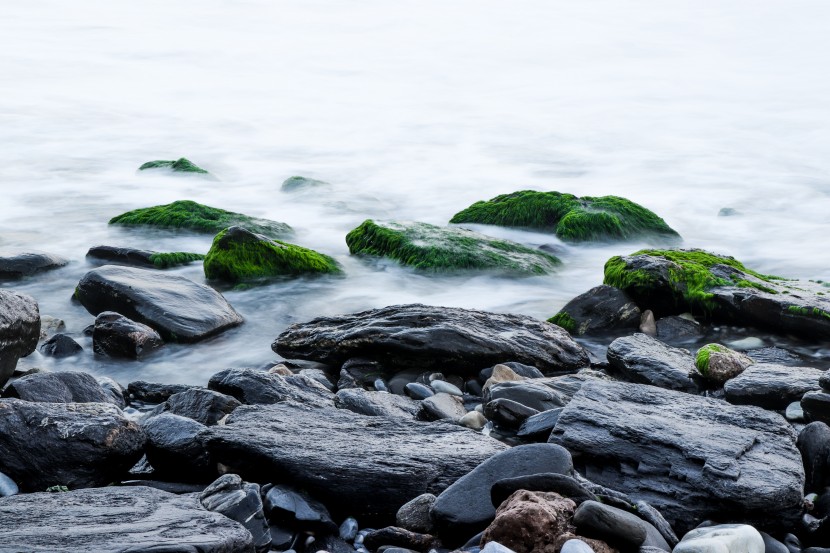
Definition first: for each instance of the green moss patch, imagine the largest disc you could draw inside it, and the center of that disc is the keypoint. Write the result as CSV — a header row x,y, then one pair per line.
x,y
702,357
181,165
571,218
564,320
446,249
172,259
189,215
239,255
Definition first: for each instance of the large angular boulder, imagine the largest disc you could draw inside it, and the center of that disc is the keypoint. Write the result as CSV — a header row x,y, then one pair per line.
x,y
646,360
363,465
24,264
601,309
117,520
179,309
426,336
691,457
19,330
205,406
772,386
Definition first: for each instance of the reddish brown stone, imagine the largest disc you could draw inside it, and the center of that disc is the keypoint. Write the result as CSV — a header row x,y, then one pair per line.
x,y
531,522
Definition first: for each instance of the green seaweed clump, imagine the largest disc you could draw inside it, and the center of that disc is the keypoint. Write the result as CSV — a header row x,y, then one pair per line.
x,y
564,320
181,165
239,255
808,312
172,259
295,184
702,357
189,215
573,219
445,249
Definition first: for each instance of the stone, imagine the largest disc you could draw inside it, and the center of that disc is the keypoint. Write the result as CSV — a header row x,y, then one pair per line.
x,y
298,510
19,265
690,457
442,386
562,484
648,325
304,184
600,310
771,386
115,335
794,412
147,521
366,466
576,546
722,538
464,508
647,360
19,330
152,392
68,444
775,356
8,487
539,426
529,522
495,547
507,413
50,325
205,406
814,445
816,406
535,394
59,346
427,336
772,545
399,537
474,420
143,258
320,376
376,403
719,364
252,386
174,451
239,501
501,373
414,514
418,391
677,329
746,344
516,368
611,525
57,387
655,518
348,529
179,309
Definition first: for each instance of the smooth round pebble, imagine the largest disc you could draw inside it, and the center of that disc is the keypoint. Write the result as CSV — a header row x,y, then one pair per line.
x,y
794,412
416,390
744,344
474,420
348,529
576,546
446,387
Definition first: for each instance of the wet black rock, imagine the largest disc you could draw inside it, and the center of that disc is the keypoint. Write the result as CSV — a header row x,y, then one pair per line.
x,y
174,451
775,356
816,406
534,394
771,386
239,501
25,264
142,258
376,403
538,427
426,336
205,406
601,309
115,335
296,509
646,360
154,392
19,330
414,514
418,391
656,519
616,527
814,445
116,519
675,329
179,309
114,391
60,345
58,387
252,386
563,484
507,413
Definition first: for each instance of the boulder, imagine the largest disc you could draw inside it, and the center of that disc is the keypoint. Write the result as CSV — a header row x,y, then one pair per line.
x,y
722,538
50,325
304,184
205,406
117,520
814,445
678,329
297,510
76,445
181,165
816,406
414,514
616,527
59,346
718,363
426,336
539,426
18,265
436,249
153,392
771,386
142,258
58,387
174,451
602,309
252,386
178,308
19,330
535,394
529,522
239,501
643,359
115,335
506,413
691,457
376,404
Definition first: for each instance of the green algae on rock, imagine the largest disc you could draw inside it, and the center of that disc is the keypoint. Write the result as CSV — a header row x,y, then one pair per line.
x,y
163,260
143,258
181,165
189,215
445,249
573,219
296,184
239,255
565,321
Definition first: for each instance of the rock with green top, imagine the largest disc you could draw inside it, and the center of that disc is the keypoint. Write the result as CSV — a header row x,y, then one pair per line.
x,y
718,363
445,249
602,309
239,255
181,165
196,217
143,258
297,184
571,218
720,288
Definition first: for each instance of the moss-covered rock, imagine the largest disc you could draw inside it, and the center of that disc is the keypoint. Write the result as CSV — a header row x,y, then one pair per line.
x,y
445,249
574,219
189,215
239,255
143,258
296,184
600,310
718,363
181,165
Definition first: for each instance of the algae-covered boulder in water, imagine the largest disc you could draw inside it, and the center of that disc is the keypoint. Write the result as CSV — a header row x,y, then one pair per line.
x,y
720,288
443,249
186,214
238,254
143,258
605,218
296,184
181,165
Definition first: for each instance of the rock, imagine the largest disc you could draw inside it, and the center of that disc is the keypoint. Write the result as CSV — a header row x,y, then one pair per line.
x,y
576,546
601,309
143,258
794,412
562,484
675,329
648,325
252,386
655,518
399,537
240,255
814,445
19,330
743,466
519,369
647,360
718,363
297,184
775,356
418,391
672,281
746,344
181,165
178,308
194,217
376,403
443,406
616,527
148,521
723,538
496,547
425,336
18,265
364,371
414,514
771,386
442,386
501,373
534,394
772,545
69,444
8,487
205,406
824,381
58,387
59,346
474,420
50,325
572,219
151,392
348,529
174,450
436,249
296,509
320,376
539,426
464,508
529,522
508,414
816,406
239,501
117,336
366,466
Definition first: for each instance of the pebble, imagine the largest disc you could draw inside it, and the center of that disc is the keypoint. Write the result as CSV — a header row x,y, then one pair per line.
x,y
496,547
446,387
418,391
648,325
794,412
576,546
348,529
474,420
7,486
722,538
380,385
744,344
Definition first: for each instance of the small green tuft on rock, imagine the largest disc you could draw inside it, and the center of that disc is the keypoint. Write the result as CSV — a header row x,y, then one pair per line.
x,y
172,259
702,357
564,320
57,489
181,165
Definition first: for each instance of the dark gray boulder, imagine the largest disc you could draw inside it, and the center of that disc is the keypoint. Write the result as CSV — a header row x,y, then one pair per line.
x,y
563,484
771,386
602,309
253,386
691,457
115,335
174,451
142,258
116,520
58,387
76,445
154,392
814,445
816,406
239,501
60,345
365,466
414,514
296,509
427,336
179,309
535,394
19,330
376,403
614,526
646,360
538,427
205,406
676,329
24,264
508,414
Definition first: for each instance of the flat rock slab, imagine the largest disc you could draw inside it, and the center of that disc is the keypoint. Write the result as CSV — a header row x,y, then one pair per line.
x,y
772,386
24,264
646,360
691,457
360,464
19,330
109,520
179,309
426,336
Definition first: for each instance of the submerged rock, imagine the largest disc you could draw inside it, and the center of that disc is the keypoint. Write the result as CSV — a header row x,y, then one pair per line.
x,y
298,184
59,346
117,336
444,249
646,360
18,265
19,330
181,165
426,336
599,310
605,218
143,258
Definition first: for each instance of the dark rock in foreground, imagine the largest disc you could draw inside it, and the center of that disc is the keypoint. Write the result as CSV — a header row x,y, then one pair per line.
x,y
690,457
252,386
25,264
116,520
58,387
59,346
117,336
19,330
376,403
239,501
426,336
179,309
599,310
646,360
143,258
772,386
